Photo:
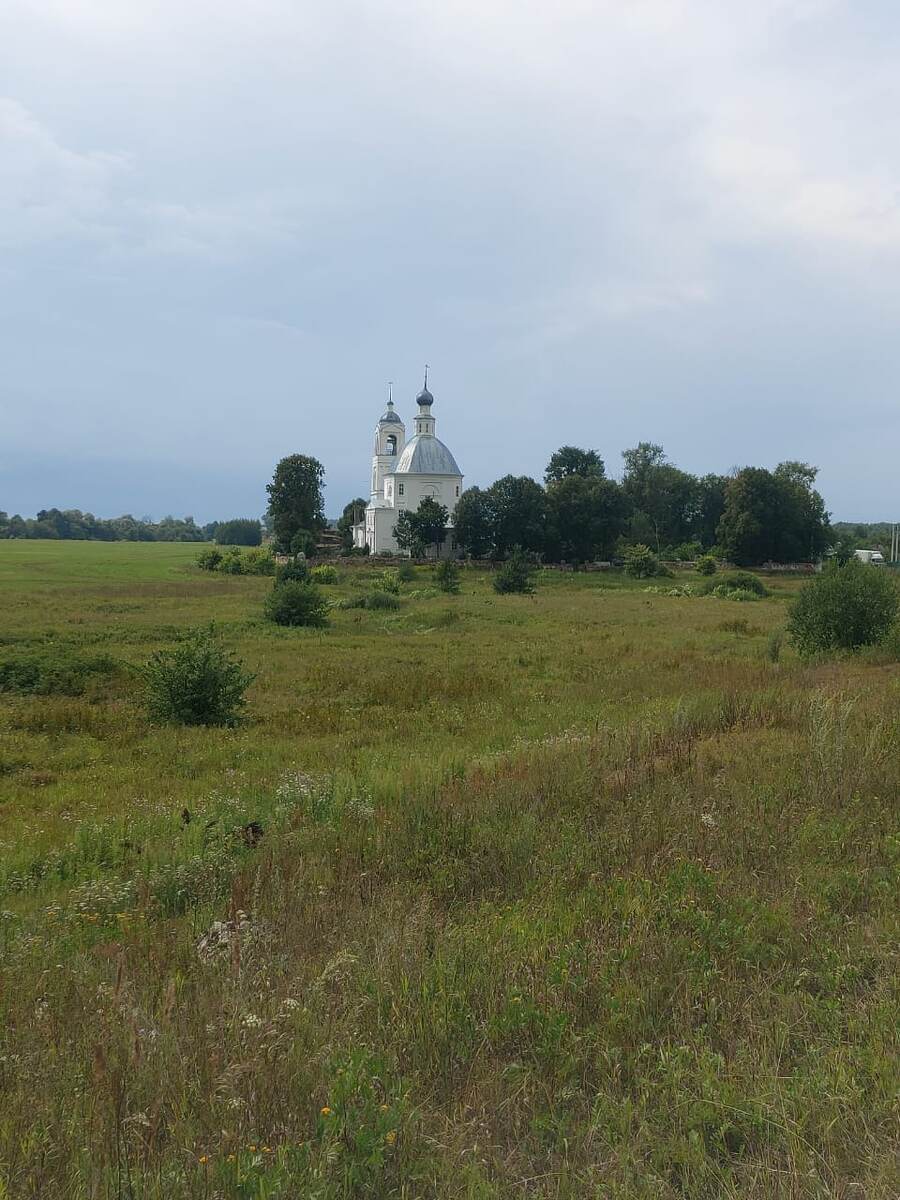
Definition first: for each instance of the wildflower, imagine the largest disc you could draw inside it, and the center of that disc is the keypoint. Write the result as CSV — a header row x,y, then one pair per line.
x,y
325,1111
231,1158
391,1136
204,1159
383,1107
267,1149
252,1149
708,820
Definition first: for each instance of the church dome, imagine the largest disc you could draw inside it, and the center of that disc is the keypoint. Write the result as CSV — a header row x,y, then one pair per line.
x,y
426,455
425,398
389,417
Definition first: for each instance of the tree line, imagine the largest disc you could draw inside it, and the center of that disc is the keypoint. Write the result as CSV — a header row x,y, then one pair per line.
x,y
579,514
73,525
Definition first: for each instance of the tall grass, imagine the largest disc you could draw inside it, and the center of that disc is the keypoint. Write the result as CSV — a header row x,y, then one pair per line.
x,y
584,899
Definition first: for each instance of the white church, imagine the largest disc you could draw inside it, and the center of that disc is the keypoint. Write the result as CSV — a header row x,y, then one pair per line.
x,y
404,473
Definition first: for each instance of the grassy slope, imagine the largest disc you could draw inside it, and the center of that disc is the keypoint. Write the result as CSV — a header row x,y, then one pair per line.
x,y
577,895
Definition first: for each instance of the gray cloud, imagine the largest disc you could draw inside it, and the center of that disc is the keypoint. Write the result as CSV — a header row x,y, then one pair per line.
x,y
224,227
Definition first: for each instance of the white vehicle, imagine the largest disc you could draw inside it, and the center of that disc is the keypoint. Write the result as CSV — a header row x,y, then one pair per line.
x,y
869,556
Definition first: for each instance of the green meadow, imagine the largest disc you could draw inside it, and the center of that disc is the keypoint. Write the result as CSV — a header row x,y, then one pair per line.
x,y
586,894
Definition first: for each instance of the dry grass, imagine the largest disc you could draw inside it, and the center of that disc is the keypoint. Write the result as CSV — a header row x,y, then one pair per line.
x,y
568,896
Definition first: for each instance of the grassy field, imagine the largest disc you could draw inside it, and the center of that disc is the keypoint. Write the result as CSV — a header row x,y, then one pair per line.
x,y
586,894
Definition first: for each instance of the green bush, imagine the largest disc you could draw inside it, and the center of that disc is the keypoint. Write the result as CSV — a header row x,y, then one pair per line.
x,y
706,565
516,574
292,572
406,572
303,542
687,551
196,683
232,562
53,672
296,603
371,600
324,574
259,561
732,581
388,581
209,559
845,607
642,563
446,576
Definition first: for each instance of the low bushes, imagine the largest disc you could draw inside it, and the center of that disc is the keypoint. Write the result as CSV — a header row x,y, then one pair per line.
x,y
376,600
706,565
53,671
642,563
848,606
733,581
196,683
295,602
324,574
446,576
516,575
258,560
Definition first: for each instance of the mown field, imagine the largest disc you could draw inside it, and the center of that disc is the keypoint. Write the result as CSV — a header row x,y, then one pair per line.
x,y
586,894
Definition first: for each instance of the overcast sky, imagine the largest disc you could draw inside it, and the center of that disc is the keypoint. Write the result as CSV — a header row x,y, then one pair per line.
x,y
224,226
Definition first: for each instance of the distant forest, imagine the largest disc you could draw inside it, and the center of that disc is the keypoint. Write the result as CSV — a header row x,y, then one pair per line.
x,y
74,525
874,536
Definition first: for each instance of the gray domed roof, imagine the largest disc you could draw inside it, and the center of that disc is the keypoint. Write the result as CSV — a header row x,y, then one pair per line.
x,y
425,397
389,417
426,455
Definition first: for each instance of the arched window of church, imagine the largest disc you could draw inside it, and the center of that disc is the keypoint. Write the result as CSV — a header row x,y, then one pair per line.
x,y
392,443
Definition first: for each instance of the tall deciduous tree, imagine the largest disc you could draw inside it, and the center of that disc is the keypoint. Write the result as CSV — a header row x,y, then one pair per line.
x,y
352,515
570,460
773,516
430,521
473,523
519,514
659,492
295,500
586,516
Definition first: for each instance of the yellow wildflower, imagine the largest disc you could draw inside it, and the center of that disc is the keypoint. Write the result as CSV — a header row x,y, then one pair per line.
x,y
391,1136
204,1158
326,1111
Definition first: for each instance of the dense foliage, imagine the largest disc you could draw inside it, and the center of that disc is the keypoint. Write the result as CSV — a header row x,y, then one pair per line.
x,y
296,603
242,531
847,606
197,682
73,525
516,574
296,513
446,576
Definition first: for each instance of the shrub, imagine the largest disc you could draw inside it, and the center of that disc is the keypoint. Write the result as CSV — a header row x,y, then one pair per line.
x,y
687,551
844,608
196,683
292,572
259,561
232,562
209,559
372,600
303,542
641,562
446,575
53,672
734,580
516,574
296,603
388,581
406,572
706,565
324,574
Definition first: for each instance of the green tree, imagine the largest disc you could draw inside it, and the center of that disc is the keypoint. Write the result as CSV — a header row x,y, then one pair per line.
x,y
473,523
518,508
586,515
516,574
407,535
295,500
296,603
353,513
665,499
843,608
430,522
570,460
196,683
773,516
242,531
